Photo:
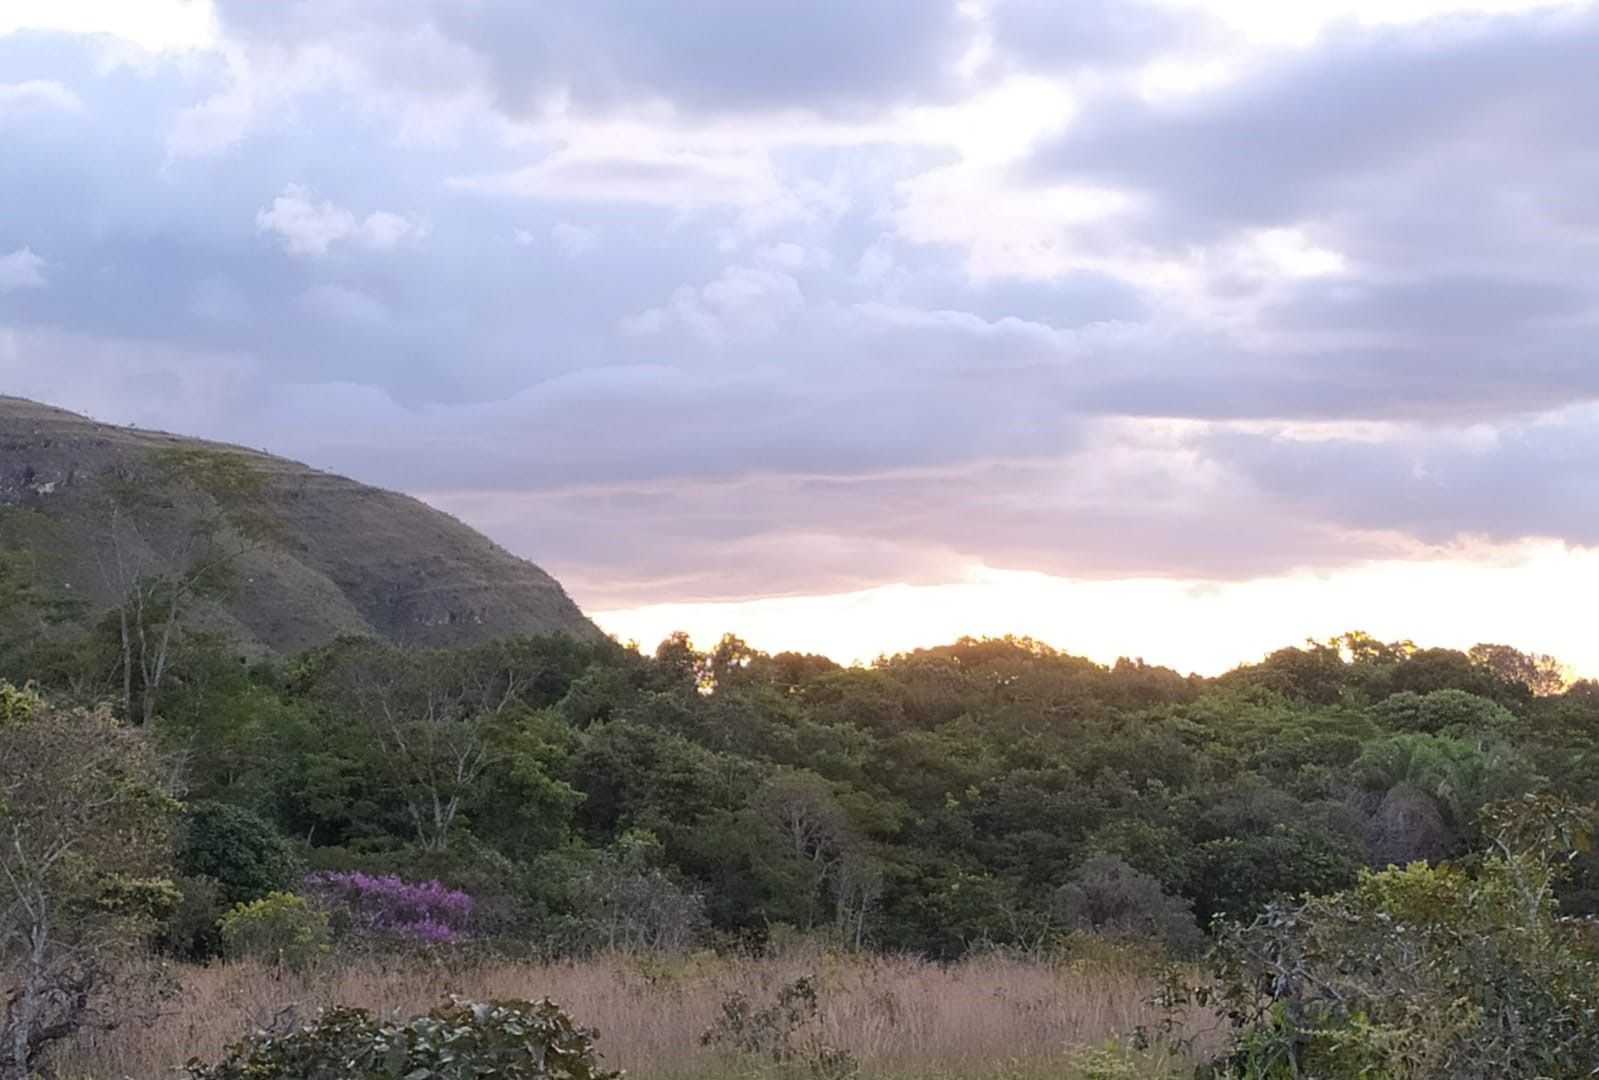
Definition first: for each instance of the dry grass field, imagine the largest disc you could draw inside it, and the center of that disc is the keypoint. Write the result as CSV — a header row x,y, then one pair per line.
x,y
989,1018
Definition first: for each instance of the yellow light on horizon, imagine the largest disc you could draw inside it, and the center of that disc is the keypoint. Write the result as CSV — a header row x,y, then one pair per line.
x,y
1533,596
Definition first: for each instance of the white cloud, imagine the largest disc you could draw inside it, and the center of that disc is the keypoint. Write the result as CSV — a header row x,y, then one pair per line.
x,y
382,230
676,179
37,94
154,25
21,269
307,227
745,304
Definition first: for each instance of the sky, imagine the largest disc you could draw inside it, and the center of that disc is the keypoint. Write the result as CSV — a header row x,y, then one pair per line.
x,y
1177,329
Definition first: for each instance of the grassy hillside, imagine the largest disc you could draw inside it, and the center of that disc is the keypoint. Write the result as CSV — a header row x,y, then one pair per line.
x,y
345,558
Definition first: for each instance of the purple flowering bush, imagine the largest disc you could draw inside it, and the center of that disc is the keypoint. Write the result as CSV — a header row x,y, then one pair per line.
x,y
389,907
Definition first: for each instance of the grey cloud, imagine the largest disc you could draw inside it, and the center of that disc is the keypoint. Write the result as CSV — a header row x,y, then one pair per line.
x,y
1300,136
718,55
710,56
1050,35
1535,479
776,535
798,418
1448,163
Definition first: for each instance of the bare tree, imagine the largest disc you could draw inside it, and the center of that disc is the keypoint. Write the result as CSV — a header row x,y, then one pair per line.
x,y
429,712
857,887
83,860
176,528
812,823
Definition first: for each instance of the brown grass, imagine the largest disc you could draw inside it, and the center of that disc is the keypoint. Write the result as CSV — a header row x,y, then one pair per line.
x,y
988,1017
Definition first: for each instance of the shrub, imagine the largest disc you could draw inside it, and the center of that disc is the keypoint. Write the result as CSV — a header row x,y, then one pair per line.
x,y
236,848
514,1040
387,906
192,928
1425,971
787,1032
1108,897
280,928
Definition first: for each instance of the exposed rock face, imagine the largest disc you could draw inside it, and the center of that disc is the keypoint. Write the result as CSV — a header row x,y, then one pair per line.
x,y
351,559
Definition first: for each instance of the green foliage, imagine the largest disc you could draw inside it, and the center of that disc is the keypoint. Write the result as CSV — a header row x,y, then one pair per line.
x,y
280,928
237,849
459,1040
85,863
935,801
1425,971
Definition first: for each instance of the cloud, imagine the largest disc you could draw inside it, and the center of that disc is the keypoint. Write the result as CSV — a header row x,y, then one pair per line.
x,y
714,55
659,178
306,227
1483,105
122,381
746,303
741,297
37,95
1091,34
21,269
1442,485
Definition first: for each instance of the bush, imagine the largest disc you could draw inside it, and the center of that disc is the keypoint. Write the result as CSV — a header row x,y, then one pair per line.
x,y
1426,971
389,907
787,1032
514,1040
280,928
237,849
192,928
1110,898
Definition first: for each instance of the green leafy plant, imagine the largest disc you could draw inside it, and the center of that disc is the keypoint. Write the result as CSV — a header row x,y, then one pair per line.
x,y
513,1040
237,849
280,928
1423,971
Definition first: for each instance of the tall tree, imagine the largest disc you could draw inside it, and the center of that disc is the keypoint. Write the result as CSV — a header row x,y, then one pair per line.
x,y
176,528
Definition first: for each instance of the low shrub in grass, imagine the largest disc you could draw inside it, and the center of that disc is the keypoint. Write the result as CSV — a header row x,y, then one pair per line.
x,y
459,1040
280,928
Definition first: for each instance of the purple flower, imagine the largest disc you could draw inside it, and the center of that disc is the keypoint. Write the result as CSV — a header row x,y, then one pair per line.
x,y
389,906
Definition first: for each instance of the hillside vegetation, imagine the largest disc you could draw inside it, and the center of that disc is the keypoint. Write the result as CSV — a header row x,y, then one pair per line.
x,y
1381,852
95,507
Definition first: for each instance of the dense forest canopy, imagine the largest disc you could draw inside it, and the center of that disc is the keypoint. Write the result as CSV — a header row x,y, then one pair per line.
x,y
590,794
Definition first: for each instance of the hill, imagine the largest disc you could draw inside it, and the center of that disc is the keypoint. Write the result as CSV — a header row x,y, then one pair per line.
x,y
346,558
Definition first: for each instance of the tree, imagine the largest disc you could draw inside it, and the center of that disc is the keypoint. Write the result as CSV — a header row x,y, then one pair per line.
x,y
811,828
430,713
176,529
84,869
31,600
237,849
1540,673
633,904
1106,896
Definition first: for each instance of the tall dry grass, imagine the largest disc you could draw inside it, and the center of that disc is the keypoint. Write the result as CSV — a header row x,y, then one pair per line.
x,y
987,1017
